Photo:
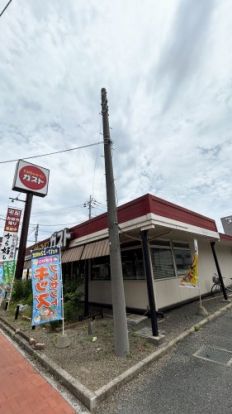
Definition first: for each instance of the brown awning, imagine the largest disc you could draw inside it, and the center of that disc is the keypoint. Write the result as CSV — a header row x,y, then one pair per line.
x,y
96,249
72,255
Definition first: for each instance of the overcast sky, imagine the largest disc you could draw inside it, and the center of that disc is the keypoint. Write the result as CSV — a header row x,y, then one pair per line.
x,y
167,67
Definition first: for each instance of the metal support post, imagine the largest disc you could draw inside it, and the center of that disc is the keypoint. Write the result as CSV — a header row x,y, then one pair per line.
x,y
218,270
87,278
150,284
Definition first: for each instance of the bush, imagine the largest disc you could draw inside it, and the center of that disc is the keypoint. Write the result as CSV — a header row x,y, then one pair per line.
x,y
72,304
22,291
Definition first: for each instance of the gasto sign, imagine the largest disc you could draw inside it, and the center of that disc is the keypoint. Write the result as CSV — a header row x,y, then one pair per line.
x,y
31,178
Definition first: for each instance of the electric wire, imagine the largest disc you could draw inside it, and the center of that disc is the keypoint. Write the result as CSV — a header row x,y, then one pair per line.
x,y
52,153
4,9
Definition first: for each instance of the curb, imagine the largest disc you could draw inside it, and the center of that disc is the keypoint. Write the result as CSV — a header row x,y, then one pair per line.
x,y
89,398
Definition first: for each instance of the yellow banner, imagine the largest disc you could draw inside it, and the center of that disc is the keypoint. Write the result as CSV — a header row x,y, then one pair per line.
x,y
191,279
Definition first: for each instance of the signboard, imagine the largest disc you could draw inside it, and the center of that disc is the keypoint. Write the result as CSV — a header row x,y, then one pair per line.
x,y
60,238
191,279
31,178
10,235
46,285
12,220
227,225
8,246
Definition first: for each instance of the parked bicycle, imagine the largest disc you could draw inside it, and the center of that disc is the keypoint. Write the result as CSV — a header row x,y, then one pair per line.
x,y
216,288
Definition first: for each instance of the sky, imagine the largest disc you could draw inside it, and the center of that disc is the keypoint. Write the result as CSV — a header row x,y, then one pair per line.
x,y
167,68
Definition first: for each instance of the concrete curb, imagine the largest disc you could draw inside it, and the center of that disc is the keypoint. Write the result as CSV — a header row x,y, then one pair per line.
x,y
89,398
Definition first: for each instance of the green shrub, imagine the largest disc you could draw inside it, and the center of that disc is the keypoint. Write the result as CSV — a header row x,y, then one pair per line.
x,y
72,305
22,291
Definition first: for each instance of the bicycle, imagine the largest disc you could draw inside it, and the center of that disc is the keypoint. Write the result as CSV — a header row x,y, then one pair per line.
x,y
216,288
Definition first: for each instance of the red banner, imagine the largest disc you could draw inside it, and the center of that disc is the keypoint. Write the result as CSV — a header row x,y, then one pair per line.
x,y
12,220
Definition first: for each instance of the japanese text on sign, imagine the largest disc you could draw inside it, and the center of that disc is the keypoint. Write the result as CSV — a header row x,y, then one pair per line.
x,y
12,220
47,285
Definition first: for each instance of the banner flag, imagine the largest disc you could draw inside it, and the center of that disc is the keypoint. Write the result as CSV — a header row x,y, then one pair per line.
x,y
191,279
12,220
10,235
7,273
46,285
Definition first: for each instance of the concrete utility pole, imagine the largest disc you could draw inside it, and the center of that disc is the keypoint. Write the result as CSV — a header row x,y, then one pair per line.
x,y
36,232
118,296
90,204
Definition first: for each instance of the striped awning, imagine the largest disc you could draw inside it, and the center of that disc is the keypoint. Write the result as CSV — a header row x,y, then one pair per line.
x,y
72,255
96,249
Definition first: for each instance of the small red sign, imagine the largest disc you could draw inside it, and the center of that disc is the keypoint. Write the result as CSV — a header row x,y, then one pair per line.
x,y
12,220
32,177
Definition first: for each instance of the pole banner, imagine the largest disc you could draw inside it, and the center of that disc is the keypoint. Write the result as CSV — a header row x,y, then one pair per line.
x,y
191,279
7,273
46,285
12,220
10,235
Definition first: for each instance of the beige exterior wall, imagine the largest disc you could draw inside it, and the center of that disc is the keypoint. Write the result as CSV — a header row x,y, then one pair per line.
x,y
224,254
135,293
168,291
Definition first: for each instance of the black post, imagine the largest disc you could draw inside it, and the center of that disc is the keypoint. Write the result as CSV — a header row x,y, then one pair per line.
x,y
149,277
218,270
23,238
87,277
17,312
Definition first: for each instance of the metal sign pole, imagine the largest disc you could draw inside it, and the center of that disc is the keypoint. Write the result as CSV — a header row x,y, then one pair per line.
x,y
23,237
62,294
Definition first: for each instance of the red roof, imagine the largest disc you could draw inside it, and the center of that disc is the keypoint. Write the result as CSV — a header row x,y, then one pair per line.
x,y
140,207
225,237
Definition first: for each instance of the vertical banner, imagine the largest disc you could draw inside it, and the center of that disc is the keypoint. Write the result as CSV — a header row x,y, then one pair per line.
x,y
191,279
2,289
10,235
12,220
46,285
8,272
8,250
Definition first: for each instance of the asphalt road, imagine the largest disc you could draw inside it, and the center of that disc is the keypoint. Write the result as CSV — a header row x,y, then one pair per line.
x,y
181,383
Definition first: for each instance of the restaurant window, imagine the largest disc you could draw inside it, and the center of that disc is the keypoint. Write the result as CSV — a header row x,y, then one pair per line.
x,y
100,268
162,260
132,264
183,257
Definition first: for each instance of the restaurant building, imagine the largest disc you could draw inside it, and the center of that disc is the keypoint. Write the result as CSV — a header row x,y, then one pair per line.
x,y
171,231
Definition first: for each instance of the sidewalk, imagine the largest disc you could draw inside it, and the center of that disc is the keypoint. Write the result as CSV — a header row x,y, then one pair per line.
x,y
23,389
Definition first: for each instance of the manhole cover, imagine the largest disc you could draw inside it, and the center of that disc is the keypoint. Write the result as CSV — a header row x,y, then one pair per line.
x,y
215,354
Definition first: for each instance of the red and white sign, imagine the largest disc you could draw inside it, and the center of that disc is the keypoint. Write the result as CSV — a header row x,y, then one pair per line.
x,y
12,220
31,178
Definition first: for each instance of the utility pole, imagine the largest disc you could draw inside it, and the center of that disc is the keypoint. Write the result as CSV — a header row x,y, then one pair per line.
x,y
36,232
90,204
23,237
118,296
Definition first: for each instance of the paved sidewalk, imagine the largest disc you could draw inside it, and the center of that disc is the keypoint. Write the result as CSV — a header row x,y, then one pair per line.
x,y
23,389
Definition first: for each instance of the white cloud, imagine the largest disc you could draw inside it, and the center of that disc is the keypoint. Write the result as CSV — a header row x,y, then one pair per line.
x,y
167,68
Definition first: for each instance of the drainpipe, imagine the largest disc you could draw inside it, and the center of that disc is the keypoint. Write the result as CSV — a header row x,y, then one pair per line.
x,y
218,270
150,286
